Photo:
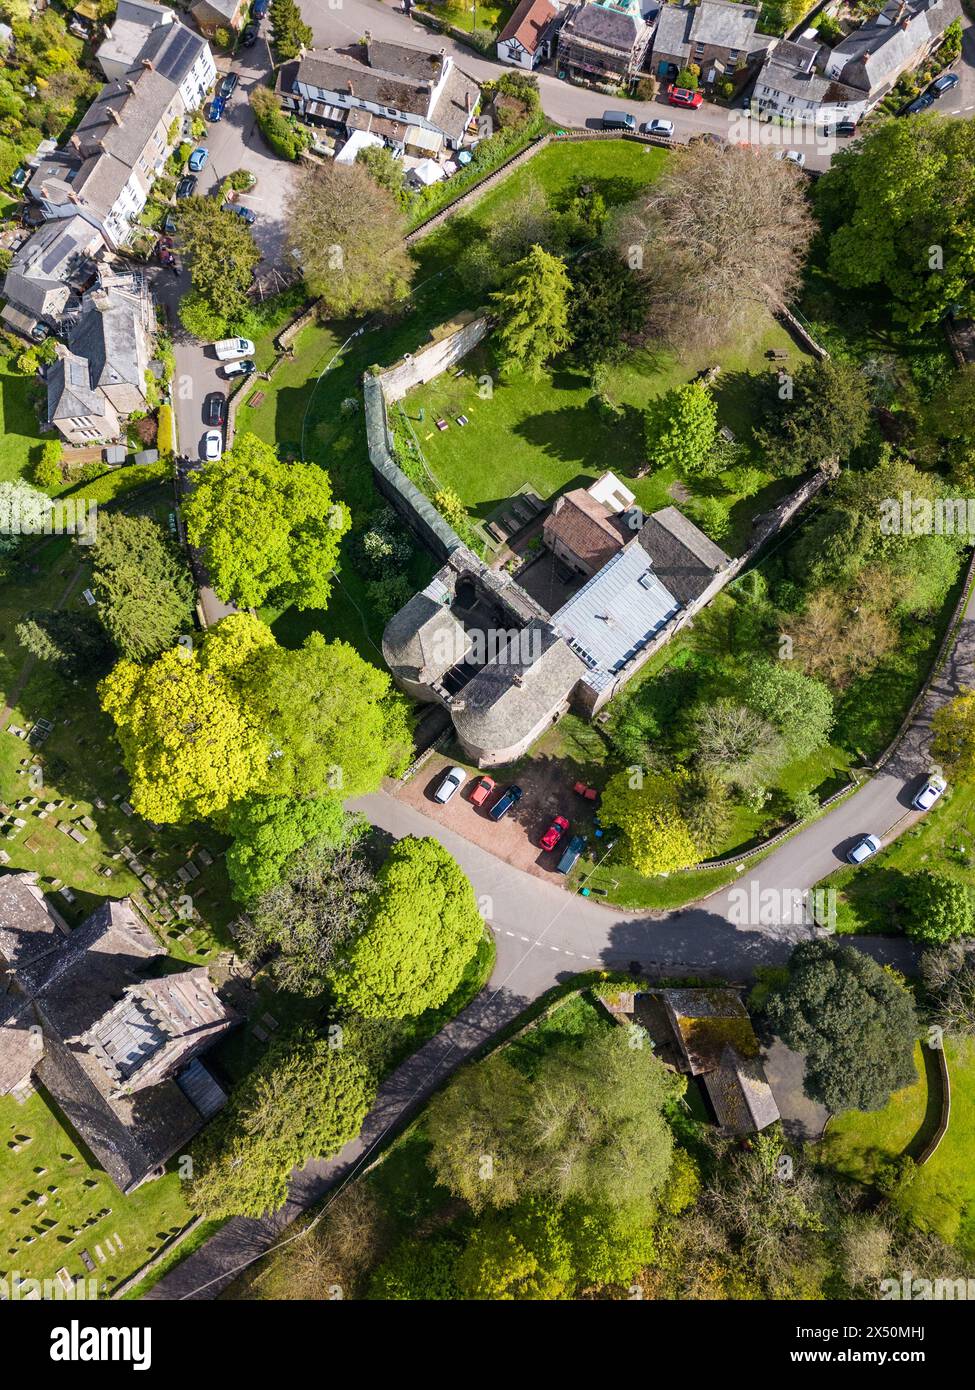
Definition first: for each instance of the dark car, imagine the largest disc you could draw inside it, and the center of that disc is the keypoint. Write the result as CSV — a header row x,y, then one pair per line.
x,y
214,409
216,108
571,853
249,37
618,120
169,225
186,185
245,213
504,803
920,103
260,8
944,83
228,86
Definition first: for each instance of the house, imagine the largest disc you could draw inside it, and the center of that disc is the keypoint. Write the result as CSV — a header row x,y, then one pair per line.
x,y
49,273
528,36
416,100
149,35
790,87
212,15
115,1047
718,37
643,578
604,44
705,1033
100,376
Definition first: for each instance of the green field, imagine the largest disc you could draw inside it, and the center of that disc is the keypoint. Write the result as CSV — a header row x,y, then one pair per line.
x,y
20,434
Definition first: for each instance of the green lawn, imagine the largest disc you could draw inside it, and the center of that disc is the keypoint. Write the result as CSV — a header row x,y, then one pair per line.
x,y
19,431
83,1209
942,1196
467,15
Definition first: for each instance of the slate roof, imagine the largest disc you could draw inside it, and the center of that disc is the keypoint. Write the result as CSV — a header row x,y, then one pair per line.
x,y
29,926
406,87
423,640
721,24
673,32
718,1043
138,102
615,614
586,527
48,263
873,55
528,23
612,28
110,339
526,681
683,558
69,390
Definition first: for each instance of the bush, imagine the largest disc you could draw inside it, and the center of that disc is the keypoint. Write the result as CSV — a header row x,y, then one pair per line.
x,y
283,138
199,318
646,89
241,180
165,440
145,431
687,79
47,470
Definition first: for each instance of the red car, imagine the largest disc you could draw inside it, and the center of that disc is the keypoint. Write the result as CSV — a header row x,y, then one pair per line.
x,y
683,96
554,833
483,788
164,248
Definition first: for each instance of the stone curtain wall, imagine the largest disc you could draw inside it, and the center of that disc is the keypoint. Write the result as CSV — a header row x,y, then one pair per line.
x,y
433,359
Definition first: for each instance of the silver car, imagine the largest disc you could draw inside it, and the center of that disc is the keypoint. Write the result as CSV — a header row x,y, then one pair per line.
x,y
455,778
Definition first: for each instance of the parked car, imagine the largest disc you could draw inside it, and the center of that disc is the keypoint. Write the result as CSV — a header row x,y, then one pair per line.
x,y
260,8
212,445
683,96
944,83
455,778
244,213
244,368
618,120
186,185
919,104
570,854
216,108
793,156
169,223
483,788
864,848
228,86
228,348
554,833
197,159
660,127
214,409
249,37
934,787
504,803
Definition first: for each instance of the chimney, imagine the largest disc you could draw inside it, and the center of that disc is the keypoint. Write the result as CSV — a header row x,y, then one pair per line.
x,y
130,86
147,63
350,87
113,115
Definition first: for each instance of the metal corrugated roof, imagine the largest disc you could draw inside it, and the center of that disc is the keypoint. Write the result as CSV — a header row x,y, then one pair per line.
x,y
615,614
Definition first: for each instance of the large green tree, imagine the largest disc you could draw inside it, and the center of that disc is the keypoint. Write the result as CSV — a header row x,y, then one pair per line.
x,y
75,643
266,830
291,33
816,416
680,427
220,254
422,930
145,591
647,808
938,908
800,706
608,308
853,1020
898,212
533,313
270,531
304,1099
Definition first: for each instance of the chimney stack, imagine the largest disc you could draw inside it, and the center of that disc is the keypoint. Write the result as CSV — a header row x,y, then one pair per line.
x,y
147,63
350,87
113,115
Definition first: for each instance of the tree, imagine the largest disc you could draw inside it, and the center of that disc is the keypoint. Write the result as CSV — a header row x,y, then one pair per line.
x,y
522,1253
386,169
819,414
347,236
719,239
75,644
938,908
734,740
266,830
422,931
190,726
646,808
607,310
285,138
337,724
589,1127
800,707
418,1271
854,1021
304,1099
528,221
949,977
270,531
220,254
609,1244
291,33
898,213
145,592
953,725
680,427
533,313
318,905
705,806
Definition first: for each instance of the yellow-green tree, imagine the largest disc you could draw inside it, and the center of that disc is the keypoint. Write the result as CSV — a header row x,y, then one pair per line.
x,y
954,735
533,312
646,808
191,734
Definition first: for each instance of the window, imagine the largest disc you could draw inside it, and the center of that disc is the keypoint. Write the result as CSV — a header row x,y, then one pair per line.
x,y
733,55
698,50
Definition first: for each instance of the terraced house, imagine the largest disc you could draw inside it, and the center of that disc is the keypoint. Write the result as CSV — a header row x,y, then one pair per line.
x,y
604,45
718,38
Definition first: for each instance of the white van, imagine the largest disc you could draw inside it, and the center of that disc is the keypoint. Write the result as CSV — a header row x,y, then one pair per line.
x,y
228,348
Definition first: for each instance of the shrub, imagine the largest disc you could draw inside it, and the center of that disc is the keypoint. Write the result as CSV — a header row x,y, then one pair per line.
x,y
165,440
646,89
145,431
284,139
47,470
199,318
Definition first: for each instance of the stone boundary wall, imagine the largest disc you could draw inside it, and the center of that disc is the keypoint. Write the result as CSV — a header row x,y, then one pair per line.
x,y
432,359
942,1129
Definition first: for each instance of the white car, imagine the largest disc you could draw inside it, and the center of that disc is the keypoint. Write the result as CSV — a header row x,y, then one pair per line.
x,y
212,445
455,778
229,348
794,156
659,127
933,788
864,848
243,368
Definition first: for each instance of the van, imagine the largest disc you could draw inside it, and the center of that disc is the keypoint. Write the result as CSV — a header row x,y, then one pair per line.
x,y
618,120
228,348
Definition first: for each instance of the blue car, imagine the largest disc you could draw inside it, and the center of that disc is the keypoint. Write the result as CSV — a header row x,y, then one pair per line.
x,y
216,108
244,214
571,853
197,160
260,8
504,803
